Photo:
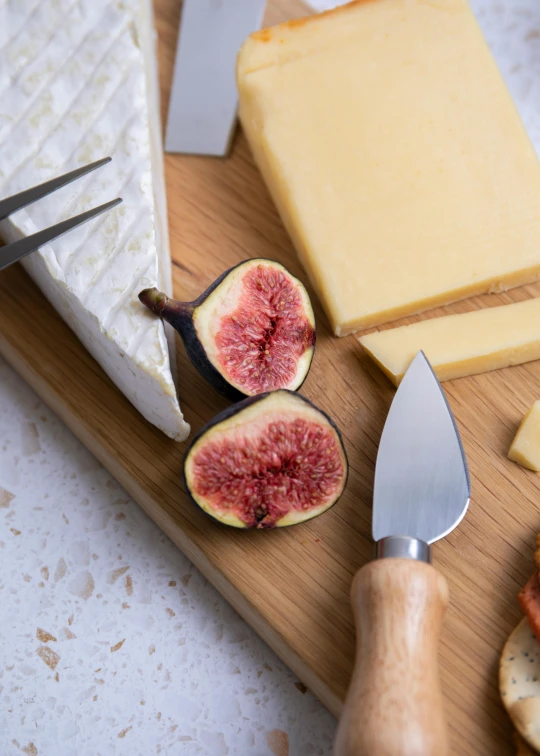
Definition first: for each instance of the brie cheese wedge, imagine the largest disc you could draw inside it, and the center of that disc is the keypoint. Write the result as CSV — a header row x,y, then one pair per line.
x,y
79,82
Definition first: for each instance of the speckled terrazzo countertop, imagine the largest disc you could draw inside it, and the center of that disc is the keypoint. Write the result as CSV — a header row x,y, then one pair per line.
x,y
110,641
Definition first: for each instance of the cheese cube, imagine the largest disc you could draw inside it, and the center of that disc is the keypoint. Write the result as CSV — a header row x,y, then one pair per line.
x,y
525,449
395,155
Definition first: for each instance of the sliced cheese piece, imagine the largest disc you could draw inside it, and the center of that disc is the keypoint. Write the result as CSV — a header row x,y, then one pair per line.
x,y
525,449
459,345
395,156
79,82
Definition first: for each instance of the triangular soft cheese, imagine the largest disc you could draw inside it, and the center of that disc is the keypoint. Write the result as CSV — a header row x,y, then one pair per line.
x,y
78,83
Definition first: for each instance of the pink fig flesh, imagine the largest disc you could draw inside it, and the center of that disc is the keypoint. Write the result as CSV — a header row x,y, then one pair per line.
x,y
263,331
267,465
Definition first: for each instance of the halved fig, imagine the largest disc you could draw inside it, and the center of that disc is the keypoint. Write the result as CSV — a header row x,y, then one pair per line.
x,y
267,462
253,330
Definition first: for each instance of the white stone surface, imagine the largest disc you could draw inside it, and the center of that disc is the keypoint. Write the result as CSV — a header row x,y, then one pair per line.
x,y
145,657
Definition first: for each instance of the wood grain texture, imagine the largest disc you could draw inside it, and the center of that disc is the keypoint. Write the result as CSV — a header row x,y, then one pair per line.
x,y
394,706
293,586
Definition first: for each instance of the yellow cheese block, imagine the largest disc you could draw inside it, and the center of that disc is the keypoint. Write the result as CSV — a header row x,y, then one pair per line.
x,y
525,449
395,156
459,345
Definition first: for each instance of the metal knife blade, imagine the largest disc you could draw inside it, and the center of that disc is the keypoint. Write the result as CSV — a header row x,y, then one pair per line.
x,y
422,485
204,98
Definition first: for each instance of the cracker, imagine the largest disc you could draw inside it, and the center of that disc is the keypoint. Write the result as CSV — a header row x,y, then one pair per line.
x,y
519,682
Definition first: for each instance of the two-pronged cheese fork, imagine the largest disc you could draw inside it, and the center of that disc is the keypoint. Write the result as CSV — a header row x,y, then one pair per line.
x,y
19,249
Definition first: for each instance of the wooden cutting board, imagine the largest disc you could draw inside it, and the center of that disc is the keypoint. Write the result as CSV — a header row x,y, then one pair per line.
x,y
293,586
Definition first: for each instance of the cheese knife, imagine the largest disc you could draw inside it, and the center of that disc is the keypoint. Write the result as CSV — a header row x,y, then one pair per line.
x,y
394,706
204,98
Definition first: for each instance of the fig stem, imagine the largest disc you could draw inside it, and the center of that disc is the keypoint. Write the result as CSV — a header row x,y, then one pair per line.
x,y
169,309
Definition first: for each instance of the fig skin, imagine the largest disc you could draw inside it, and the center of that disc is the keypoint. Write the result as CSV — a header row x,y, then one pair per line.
x,y
215,430
180,316
183,317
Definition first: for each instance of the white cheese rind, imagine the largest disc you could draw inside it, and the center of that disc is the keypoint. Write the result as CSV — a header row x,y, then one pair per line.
x,y
80,83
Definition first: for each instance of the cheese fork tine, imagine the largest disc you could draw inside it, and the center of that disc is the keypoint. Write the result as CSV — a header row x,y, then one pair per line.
x,y
19,249
22,199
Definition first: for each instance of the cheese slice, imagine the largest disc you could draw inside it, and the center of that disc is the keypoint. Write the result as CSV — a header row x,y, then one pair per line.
x,y
395,156
78,83
464,344
525,449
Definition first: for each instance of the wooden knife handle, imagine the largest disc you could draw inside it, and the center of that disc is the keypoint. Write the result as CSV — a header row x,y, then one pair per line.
x,y
394,706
